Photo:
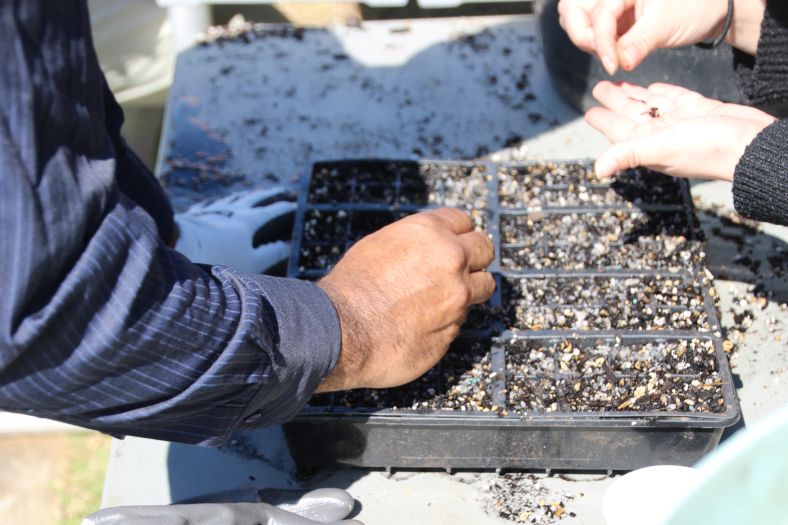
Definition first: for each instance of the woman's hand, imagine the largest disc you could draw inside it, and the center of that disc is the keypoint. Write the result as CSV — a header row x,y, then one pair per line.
x,y
623,32
673,130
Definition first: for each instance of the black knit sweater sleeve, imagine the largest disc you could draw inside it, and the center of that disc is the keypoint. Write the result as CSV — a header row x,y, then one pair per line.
x,y
760,182
763,79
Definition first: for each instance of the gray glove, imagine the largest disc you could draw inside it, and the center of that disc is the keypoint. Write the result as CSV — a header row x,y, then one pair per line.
x,y
270,507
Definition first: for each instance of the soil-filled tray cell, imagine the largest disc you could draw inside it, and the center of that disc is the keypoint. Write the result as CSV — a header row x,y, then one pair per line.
x,y
596,393
365,222
595,375
603,303
684,356
662,392
400,182
359,181
575,185
326,226
531,394
463,380
321,257
612,239
453,185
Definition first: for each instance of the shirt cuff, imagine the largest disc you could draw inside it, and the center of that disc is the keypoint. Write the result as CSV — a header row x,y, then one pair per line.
x,y
306,348
760,183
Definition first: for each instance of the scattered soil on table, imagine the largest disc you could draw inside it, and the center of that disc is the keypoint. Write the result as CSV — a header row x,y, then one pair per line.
x,y
522,498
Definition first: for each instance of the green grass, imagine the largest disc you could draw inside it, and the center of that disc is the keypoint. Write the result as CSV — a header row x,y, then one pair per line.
x,y
79,493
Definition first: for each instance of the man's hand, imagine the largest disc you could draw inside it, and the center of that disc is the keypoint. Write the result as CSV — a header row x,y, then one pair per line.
x,y
621,33
673,130
402,294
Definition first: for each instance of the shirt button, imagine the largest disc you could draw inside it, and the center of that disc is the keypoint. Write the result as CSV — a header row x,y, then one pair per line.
x,y
254,417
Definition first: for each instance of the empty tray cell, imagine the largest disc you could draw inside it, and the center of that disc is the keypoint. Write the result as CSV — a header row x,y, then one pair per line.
x,y
455,185
682,356
603,303
325,226
631,240
575,185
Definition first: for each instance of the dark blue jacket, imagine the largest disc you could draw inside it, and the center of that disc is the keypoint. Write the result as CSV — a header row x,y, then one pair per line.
x,y
101,323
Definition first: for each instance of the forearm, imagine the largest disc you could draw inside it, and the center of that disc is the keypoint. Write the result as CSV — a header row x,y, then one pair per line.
x,y
134,339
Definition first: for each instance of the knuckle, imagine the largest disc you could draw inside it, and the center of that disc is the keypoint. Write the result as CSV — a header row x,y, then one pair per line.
x,y
454,255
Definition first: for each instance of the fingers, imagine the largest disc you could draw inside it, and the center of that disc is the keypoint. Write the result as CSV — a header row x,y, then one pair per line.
x,y
326,505
622,100
479,250
276,223
481,286
272,258
455,219
605,20
576,21
260,198
630,153
612,125
645,35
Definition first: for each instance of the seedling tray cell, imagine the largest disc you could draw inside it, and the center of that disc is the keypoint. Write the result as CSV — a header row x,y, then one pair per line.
x,y
600,349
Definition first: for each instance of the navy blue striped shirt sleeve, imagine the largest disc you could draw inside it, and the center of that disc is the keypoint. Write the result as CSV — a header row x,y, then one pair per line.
x,y
101,323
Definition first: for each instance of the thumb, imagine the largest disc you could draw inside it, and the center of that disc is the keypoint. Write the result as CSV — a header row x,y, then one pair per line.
x,y
643,37
631,153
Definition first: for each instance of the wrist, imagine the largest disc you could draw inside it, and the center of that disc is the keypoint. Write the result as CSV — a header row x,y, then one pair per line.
x,y
745,30
348,373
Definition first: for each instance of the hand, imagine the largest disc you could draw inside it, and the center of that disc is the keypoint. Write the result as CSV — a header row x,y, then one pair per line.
x,y
673,130
272,507
249,232
623,32
402,294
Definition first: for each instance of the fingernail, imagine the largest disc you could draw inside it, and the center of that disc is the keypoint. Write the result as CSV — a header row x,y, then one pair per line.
x,y
606,168
630,57
609,65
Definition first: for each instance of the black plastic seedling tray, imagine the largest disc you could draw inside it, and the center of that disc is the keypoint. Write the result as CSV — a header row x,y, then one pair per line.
x,y
600,350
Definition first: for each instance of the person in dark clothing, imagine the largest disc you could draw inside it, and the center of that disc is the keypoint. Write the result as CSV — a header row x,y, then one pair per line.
x,y
104,325
680,132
